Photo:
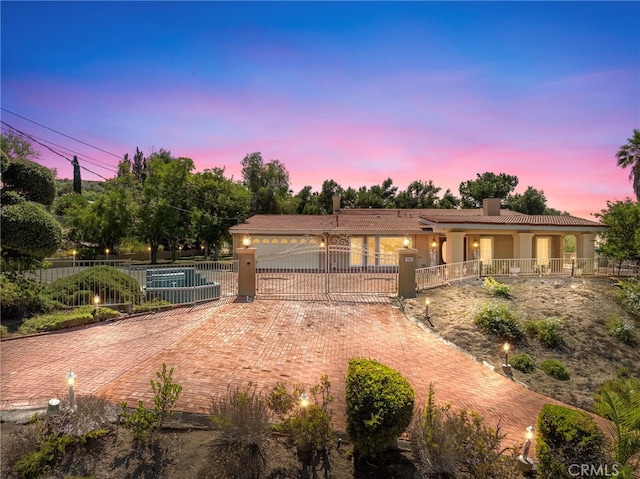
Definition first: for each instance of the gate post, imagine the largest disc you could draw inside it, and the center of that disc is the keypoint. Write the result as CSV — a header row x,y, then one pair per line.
x,y
246,271
407,258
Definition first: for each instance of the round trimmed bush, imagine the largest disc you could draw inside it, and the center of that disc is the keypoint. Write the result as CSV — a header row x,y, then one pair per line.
x,y
555,369
379,405
523,363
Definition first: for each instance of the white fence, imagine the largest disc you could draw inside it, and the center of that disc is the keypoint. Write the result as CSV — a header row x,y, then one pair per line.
x,y
433,276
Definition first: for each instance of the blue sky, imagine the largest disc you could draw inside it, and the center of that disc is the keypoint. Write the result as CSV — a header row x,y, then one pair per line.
x,y
355,92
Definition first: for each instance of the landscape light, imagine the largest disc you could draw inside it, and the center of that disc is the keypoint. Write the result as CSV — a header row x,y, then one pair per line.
x,y
304,400
71,382
505,348
427,316
525,463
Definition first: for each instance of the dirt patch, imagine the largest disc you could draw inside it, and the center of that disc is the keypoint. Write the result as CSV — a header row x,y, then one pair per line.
x,y
590,354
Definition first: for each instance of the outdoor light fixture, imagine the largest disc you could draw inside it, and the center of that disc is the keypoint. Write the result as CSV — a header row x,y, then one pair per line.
x,y
505,348
107,252
475,245
525,463
71,382
434,244
304,400
322,244
406,241
246,241
96,302
74,258
427,316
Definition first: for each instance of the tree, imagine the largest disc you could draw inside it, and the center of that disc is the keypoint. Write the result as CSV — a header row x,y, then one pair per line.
x,y
306,202
629,156
531,202
487,185
218,204
418,195
325,197
378,196
77,180
448,201
164,210
622,238
13,147
267,182
30,180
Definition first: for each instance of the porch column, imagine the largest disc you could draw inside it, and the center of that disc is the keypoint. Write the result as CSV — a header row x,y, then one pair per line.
x,y
585,249
523,249
455,247
407,258
246,271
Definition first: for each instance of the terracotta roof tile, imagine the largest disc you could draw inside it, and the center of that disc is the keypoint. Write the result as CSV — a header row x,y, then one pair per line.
x,y
513,218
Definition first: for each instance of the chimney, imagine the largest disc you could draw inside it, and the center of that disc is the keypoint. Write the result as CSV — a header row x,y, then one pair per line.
x,y
336,203
491,207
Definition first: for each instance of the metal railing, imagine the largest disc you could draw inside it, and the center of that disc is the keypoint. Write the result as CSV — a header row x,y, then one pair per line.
x,y
433,276
83,283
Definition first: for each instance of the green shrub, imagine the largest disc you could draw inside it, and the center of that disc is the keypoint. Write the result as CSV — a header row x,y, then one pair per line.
x,y
622,330
112,285
379,404
523,363
630,296
555,369
496,288
22,298
567,436
4,332
448,443
547,331
496,319
621,387
66,319
142,422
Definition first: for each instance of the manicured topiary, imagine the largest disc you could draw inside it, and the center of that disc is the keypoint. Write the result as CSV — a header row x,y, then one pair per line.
x,y
522,362
110,284
567,437
555,369
379,405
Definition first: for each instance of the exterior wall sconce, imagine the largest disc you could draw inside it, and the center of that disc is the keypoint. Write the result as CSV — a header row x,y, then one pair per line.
x,y
475,244
322,243
71,382
434,244
246,241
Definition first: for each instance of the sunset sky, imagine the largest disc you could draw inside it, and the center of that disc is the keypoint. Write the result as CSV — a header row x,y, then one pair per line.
x,y
355,92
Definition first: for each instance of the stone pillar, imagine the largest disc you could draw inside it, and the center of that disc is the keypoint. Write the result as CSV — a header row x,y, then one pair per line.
x,y
523,249
455,247
246,271
585,249
407,259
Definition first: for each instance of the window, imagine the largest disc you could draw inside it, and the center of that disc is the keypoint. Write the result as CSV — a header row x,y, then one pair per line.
x,y
389,250
356,246
543,251
486,250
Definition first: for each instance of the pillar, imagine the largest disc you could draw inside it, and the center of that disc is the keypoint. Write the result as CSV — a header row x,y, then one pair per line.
x,y
455,247
585,251
246,271
523,249
407,259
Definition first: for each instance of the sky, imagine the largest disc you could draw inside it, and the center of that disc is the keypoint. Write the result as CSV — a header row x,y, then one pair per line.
x,y
356,92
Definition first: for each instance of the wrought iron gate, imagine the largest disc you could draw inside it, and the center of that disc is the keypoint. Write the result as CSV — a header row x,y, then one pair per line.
x,y
337,266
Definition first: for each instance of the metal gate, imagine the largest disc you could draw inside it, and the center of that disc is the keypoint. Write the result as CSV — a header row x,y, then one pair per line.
x,y
337,266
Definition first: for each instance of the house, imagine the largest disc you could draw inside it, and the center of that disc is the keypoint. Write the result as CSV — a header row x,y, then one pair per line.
x,y
370,238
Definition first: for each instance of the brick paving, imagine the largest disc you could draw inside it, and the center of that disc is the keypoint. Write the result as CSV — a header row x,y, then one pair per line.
x,y
228,345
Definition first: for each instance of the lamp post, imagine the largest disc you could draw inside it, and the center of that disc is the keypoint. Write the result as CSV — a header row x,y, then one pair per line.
x,y
96,303
71,382
107,252
505,348
427,316
525,463
246,241
74,258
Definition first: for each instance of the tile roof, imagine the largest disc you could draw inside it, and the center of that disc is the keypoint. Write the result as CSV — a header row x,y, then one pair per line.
x,y
399,221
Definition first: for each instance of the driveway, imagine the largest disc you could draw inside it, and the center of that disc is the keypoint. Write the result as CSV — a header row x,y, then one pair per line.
x,y
228,345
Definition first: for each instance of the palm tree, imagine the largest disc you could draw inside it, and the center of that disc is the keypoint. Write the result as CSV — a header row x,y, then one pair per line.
x,y
629,155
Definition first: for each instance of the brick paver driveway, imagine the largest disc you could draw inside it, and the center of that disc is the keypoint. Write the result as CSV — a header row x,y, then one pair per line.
x,y
239,344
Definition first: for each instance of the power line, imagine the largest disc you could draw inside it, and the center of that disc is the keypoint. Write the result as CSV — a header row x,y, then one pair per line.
x,y
59,133
49,148
80,155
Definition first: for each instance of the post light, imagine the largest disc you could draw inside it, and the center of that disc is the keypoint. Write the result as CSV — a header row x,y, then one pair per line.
x,y
74,258
107,252
71,382
246,241
406,241
505,348
427,316
526,463
304,400
96,302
